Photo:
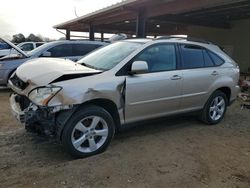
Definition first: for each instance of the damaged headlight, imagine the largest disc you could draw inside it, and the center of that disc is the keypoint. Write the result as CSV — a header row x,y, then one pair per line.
x,y
41,96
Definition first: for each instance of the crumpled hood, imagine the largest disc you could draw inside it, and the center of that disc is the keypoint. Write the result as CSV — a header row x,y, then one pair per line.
x,y
42,71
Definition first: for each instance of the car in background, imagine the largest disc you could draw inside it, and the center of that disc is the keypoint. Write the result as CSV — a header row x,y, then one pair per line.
x,y
66,49
25,46
4,45
28,46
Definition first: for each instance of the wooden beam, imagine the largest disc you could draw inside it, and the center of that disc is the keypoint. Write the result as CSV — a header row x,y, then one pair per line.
x,y
220,9
115,19
181,6
193,21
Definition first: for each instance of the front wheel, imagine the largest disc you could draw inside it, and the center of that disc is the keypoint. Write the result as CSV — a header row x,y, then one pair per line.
x,y
215,108
88,132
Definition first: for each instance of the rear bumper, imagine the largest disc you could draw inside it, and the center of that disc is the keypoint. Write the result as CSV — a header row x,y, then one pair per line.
x,y
234,94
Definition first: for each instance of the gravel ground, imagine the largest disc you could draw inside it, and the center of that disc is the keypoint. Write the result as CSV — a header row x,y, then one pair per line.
x,y
176,152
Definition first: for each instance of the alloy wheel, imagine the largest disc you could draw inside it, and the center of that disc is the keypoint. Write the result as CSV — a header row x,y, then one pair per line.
x,y
89,134
217,108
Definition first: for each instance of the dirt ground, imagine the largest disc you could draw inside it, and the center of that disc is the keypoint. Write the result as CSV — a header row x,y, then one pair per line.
x,y
176,152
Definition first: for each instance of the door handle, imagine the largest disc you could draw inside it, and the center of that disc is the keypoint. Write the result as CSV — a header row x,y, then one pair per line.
x,y
214,73
176,77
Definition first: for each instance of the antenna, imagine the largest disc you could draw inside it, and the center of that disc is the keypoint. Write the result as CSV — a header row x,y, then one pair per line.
x,y
75,12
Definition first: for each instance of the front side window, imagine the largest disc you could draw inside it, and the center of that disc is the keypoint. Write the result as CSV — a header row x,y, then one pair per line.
x,y
160,57
62,50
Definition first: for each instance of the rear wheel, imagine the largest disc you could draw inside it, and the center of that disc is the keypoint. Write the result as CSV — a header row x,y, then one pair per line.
x,y
88,132
215,108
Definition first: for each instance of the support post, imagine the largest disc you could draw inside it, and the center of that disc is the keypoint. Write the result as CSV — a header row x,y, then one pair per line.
x,y
102,36
91,32
141,24
67,34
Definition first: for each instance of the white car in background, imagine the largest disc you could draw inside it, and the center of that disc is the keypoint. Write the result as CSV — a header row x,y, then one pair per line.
x,y
24,46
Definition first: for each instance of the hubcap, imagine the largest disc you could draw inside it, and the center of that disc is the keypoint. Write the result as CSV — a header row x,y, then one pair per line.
x,y
217,108
89,134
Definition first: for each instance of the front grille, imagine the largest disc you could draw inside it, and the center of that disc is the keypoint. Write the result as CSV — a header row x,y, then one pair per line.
x,y
18,82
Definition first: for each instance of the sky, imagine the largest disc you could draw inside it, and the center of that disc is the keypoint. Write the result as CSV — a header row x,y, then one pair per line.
x,y
39,16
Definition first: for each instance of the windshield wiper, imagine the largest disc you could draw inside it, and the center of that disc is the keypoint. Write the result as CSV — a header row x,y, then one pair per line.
x,y
92,67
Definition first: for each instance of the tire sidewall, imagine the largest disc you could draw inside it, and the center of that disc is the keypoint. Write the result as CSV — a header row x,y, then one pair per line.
x,y
76,117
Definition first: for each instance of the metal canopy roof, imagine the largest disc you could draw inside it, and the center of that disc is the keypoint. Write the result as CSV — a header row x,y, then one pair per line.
x,y
163,16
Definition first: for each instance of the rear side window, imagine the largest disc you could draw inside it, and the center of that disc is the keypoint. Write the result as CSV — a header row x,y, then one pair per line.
x,y
62,50
192,57
198,57
216,59
39,44
83,49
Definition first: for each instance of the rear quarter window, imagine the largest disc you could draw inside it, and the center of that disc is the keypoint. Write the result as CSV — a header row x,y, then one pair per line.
x,y
216,59
208,60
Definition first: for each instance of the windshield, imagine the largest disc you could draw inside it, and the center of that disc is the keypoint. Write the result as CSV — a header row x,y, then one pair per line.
x,y
109,56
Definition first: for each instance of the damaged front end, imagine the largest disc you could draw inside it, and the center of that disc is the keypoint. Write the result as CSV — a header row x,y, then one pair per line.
x,y
45,99
44,120
29,105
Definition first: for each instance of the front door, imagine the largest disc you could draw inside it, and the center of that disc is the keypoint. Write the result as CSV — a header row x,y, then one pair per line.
x,y
157,92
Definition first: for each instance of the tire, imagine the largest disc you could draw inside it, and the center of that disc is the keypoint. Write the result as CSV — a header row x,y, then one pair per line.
x,y
215,108
88,132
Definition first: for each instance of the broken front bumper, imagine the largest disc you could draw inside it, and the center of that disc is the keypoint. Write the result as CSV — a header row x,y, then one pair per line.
x,y
33,117
16,110
46,120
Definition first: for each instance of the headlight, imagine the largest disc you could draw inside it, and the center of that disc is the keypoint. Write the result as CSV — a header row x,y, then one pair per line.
x,y
41,96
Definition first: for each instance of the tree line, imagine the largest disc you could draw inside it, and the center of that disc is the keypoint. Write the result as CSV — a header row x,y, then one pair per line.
x,y
18,38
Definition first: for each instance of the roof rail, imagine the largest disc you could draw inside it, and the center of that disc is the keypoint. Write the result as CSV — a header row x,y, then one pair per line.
x,y
185,38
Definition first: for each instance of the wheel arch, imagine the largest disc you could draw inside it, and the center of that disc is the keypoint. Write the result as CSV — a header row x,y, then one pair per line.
x,y
11,72
108,105
63,117
227,91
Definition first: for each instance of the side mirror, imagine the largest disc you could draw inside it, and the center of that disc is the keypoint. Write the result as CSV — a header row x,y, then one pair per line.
x,y
46,54
139,67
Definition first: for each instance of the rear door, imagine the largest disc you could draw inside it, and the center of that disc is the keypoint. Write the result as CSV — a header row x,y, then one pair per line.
x,y
199,74
157,92
80,50
61,51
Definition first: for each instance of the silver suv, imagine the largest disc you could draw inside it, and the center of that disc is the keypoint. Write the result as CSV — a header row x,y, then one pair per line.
x,y
84,103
